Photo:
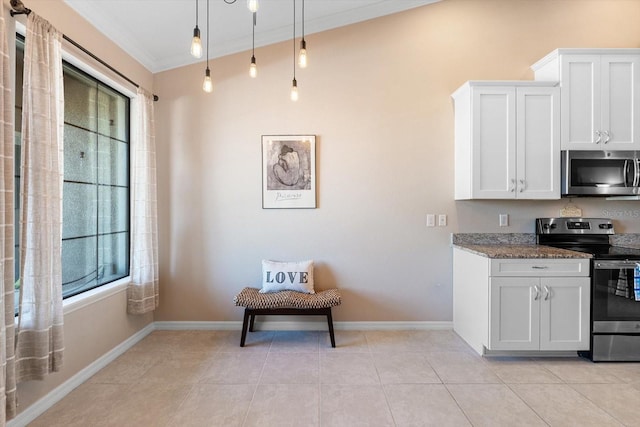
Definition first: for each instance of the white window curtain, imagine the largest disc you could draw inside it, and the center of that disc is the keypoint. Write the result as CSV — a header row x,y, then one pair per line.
x,y
7,330
39,338
143,292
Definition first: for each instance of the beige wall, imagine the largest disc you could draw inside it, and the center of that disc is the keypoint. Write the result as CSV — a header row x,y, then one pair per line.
x,y
377,95
93,330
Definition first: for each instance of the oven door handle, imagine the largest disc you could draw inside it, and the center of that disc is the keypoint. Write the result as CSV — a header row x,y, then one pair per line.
x,y
614,265
636,172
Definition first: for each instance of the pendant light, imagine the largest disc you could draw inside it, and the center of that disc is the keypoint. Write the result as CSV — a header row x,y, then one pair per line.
x,y
253,68
294,86
196,44
253,5
207,85
302,58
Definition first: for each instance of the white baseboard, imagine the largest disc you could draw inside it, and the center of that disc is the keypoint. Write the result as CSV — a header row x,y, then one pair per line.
x,y
304,325
55,395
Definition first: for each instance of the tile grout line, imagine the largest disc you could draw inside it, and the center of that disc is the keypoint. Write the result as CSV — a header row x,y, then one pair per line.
x,y
255,390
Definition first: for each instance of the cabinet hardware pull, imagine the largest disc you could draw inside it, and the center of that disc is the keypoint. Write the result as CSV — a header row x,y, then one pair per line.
x,y
539,267
599,135
537,295
522,185
513,185
547,293
606,134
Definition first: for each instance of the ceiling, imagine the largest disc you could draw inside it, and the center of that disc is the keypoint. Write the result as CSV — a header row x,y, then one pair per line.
x,y
158,32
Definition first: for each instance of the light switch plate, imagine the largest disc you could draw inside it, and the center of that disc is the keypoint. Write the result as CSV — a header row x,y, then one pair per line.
x,y
504,220
442,220
431,220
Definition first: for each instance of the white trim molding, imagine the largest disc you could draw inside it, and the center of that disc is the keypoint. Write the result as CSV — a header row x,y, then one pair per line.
x,y
304,325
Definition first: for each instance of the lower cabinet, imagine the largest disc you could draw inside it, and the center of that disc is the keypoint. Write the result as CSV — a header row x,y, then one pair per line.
x,y
521,304
539,313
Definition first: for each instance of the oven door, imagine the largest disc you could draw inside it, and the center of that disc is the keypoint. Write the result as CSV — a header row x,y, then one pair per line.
x,y
616,303
615,311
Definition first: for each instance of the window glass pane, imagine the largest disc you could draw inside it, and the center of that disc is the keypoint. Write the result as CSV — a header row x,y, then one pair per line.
x,y
79,155
80,100
19,68
79,210
113,257
113,209
113,161
113,114
79,271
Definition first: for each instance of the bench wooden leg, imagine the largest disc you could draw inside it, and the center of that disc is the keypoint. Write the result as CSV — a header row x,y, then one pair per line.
x,y
250,316
251,322
330,322
245,324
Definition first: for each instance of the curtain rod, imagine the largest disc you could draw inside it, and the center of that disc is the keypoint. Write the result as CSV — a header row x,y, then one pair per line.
x,y
20,9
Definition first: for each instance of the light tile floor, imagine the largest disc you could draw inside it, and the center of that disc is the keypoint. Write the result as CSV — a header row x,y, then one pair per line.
x,y
373,378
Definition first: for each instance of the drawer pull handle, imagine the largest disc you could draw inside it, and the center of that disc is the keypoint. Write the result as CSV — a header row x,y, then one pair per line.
x,y
539,267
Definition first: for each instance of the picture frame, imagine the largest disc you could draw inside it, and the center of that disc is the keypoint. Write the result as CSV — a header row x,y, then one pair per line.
x,y
288,171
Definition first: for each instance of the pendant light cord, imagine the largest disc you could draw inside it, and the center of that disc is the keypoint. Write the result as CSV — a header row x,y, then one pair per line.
x,y
208,34
294,39
253,35
302,19
197,1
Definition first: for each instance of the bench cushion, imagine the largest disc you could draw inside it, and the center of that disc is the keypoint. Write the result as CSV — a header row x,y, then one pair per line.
x,y
252,298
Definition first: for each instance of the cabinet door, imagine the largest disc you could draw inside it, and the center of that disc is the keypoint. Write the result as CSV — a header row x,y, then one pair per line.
x,y
514,313
494,143
538,143
564,313
580,102
620,102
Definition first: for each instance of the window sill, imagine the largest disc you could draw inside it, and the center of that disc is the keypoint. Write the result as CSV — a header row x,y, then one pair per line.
x,y
84,299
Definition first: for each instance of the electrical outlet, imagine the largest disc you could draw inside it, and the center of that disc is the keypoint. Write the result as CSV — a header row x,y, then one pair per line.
x,y
504,220
442,220
431,220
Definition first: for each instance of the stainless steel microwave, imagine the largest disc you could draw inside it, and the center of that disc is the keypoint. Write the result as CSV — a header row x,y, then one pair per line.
x,y
600,173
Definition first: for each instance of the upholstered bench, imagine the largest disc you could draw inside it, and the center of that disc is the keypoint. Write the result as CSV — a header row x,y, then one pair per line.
x,y
286,303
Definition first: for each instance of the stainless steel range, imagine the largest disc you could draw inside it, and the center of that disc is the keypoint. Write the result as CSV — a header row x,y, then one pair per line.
x,y
615,304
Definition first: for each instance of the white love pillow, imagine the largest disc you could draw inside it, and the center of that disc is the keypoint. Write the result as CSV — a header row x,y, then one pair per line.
x,y
287,276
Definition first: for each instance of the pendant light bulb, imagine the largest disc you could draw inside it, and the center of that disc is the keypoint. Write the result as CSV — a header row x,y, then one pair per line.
x,y
207,85
196,43
294,90
302,58
253,5
253,68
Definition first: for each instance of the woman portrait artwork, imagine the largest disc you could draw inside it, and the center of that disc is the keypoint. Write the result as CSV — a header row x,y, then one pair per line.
x,y
290,166
288,171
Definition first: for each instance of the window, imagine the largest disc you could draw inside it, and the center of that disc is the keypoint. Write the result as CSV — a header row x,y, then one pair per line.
x,y
95,224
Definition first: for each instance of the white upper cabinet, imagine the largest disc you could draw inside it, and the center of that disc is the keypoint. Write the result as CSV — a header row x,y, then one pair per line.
x,y
507,140
600,96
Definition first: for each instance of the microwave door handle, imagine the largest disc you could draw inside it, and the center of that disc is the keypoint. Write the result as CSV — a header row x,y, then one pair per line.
x,y
625,179
636,172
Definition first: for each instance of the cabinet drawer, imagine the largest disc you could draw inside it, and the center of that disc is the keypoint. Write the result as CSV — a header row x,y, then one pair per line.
x,y
540,267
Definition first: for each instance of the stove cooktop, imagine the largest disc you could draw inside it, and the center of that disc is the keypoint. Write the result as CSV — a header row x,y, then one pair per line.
x,y
602,251
589,235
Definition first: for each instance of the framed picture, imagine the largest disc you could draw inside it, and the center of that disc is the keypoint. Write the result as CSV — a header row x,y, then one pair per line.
x,y
288,171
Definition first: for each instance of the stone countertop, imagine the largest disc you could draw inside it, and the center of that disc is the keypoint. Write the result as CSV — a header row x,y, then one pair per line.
x,y
520,251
